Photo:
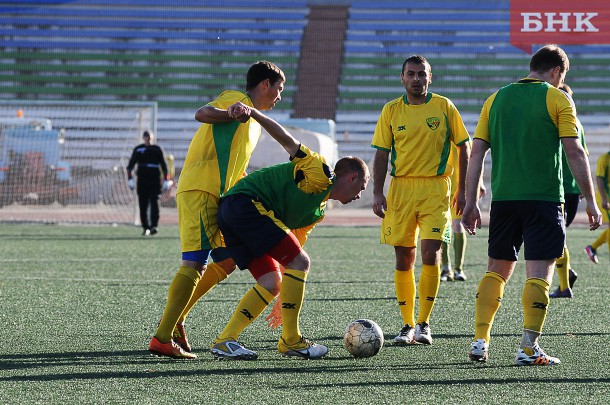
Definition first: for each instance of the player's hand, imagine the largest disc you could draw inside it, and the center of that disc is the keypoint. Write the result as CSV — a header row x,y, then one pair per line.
x,y
380,205
274,319
482,190
471,218
239,112
131,184
458,202
595,216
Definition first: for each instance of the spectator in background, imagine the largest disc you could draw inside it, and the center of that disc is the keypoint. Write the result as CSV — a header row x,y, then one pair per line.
x,y
417,130
151,165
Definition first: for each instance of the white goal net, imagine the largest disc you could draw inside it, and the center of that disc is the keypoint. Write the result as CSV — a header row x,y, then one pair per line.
x,y
64,162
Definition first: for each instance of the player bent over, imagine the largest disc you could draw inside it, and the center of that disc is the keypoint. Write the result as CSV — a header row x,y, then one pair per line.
x,y
255,217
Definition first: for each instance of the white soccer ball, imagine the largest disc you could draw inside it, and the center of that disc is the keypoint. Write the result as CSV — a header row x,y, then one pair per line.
x,y
363,338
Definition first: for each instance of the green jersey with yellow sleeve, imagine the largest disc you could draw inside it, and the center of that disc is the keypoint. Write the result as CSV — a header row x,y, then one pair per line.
x,y
523,123
295,191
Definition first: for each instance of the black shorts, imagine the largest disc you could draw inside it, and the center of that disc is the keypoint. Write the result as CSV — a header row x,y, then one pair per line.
x,y
570,207
537,224
247,232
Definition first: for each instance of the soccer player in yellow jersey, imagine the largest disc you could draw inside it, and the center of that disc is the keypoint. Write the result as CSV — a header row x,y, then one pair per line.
x,y
524,124
216,159
458,236
602,196
414,134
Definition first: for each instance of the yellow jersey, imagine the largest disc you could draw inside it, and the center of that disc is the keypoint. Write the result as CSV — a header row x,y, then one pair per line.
x,y
219,153
419,137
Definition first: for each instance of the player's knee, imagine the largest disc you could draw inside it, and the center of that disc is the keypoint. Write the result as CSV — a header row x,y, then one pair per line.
x,y
270,282
300,262
228,266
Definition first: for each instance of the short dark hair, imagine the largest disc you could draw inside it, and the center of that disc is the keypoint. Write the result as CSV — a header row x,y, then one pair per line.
x,y
350,164
418,59
147,134
262,70
549,57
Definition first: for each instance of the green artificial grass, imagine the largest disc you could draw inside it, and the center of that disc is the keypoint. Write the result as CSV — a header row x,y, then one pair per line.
x,y
79,305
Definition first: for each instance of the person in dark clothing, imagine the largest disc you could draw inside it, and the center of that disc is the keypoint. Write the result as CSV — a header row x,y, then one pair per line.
x,y
151,163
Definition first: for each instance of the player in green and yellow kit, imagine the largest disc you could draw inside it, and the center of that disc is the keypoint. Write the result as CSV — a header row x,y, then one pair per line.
x,y
525,124
256,217
602,196
216,159
458,235
414,134
566,275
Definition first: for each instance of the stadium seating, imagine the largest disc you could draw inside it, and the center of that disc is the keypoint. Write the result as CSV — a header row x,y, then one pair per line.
x,y
381,35
183,54
180,55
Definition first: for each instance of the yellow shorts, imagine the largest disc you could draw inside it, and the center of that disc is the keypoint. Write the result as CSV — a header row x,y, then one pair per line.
x,y
416,204
198,221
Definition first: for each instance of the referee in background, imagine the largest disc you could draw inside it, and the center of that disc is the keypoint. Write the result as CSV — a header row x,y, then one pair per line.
x,y
151,162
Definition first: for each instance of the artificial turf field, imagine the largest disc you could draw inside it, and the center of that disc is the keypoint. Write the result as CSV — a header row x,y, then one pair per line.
x,y
79,304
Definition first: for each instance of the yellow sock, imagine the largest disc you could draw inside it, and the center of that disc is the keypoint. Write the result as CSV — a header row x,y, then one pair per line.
x,y
179,294
249,308
429,282
535,301
487,302
603,238
404,282
292,292
212,275
563,265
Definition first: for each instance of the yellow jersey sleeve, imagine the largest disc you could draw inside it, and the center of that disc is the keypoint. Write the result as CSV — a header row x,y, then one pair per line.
x,y
562,113
312,174
482,129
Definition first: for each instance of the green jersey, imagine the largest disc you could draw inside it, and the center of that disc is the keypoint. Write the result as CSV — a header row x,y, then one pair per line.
x,y
523,123
295,191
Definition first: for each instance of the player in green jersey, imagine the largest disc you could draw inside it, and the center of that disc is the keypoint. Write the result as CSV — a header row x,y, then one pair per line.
x,y
524,125
602,196
256,217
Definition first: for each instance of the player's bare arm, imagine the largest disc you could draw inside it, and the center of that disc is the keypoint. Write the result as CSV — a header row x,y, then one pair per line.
x,y
277,132
459,198
212,115
579,166
380,171
471,217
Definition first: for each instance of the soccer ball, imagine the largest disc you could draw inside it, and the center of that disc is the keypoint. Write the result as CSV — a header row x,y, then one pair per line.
x,y
363,338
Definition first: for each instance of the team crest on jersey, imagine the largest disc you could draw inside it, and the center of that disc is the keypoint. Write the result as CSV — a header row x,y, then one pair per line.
x,y
433,122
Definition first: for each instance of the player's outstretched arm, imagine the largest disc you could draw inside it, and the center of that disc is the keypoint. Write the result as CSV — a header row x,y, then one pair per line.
x,y
277,132
212,115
